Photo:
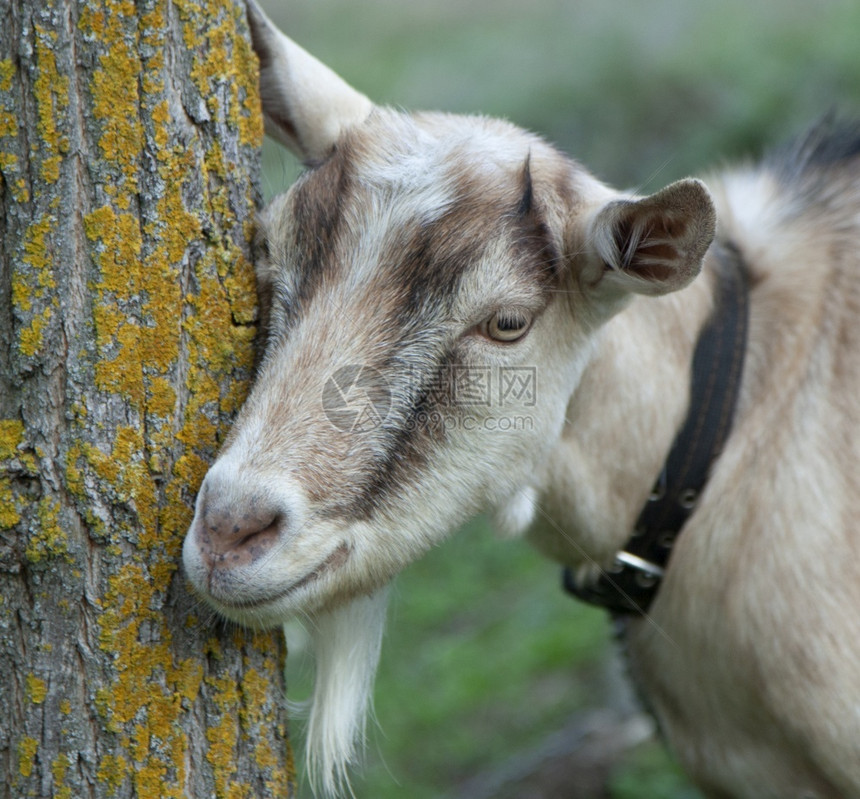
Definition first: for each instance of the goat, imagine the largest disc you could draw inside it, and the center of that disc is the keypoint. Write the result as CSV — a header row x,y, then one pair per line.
x,y
419,252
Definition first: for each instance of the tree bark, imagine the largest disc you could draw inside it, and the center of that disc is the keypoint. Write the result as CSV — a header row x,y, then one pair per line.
x,y
129,149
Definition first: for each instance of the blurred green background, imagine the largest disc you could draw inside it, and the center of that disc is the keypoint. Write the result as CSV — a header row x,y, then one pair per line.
x,y
493,683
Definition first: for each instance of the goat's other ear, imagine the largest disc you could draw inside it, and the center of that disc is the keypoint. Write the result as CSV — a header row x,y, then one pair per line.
x,y
654,245
305,105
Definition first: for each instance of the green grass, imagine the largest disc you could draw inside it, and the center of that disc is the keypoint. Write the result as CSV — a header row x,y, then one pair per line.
x,y
485,656
649,773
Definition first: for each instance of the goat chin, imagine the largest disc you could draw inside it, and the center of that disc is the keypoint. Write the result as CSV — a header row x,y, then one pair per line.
x,y
346,643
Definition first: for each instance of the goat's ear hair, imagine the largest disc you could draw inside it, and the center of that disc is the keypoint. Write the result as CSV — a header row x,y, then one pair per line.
x,y
306,106
656,244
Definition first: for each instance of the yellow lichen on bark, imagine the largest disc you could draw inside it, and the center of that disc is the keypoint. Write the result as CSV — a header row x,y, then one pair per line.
x,y
59,766
27,748
10,166
11,440
114,91
237,71
257,713
32,282
222,740
32,273
172,285
52,98
146,696
136,313
112,772
32,337
116,251
161,397
9,514
8,120
132,321
255,689
36,689
48,539
7,72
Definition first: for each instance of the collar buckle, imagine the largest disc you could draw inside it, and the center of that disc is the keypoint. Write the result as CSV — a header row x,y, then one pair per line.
x,y
632,582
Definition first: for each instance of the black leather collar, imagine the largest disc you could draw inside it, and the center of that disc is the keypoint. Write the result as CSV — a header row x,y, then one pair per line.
x,y
632,582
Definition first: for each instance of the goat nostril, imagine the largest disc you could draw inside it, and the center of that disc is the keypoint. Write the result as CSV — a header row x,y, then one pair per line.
x,y
226,540
264,532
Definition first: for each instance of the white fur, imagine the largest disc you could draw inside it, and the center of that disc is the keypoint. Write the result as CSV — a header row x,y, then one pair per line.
x,y
513,517
346,644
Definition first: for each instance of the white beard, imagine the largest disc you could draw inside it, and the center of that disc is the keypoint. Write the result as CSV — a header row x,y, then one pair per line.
x,y
346,643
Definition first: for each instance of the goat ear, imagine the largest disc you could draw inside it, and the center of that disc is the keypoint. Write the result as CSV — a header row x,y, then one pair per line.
x,y
656,244
306,106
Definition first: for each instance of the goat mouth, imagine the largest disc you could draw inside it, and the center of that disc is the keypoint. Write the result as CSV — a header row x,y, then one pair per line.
x,y
334,561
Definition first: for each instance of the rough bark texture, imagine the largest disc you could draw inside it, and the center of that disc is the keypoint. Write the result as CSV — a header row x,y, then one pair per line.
x,y
129,136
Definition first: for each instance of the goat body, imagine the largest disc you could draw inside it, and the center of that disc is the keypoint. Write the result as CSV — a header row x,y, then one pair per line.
x,y
433,278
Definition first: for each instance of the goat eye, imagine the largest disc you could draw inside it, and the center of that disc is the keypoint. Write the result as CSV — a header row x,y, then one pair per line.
x,y
508,325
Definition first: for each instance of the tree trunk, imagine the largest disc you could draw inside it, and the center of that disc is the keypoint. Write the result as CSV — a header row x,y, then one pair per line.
x,y
129,147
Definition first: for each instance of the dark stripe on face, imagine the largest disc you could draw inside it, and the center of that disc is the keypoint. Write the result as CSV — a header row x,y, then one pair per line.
x,y
430,264
424,268
318,211
431,260
405,447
